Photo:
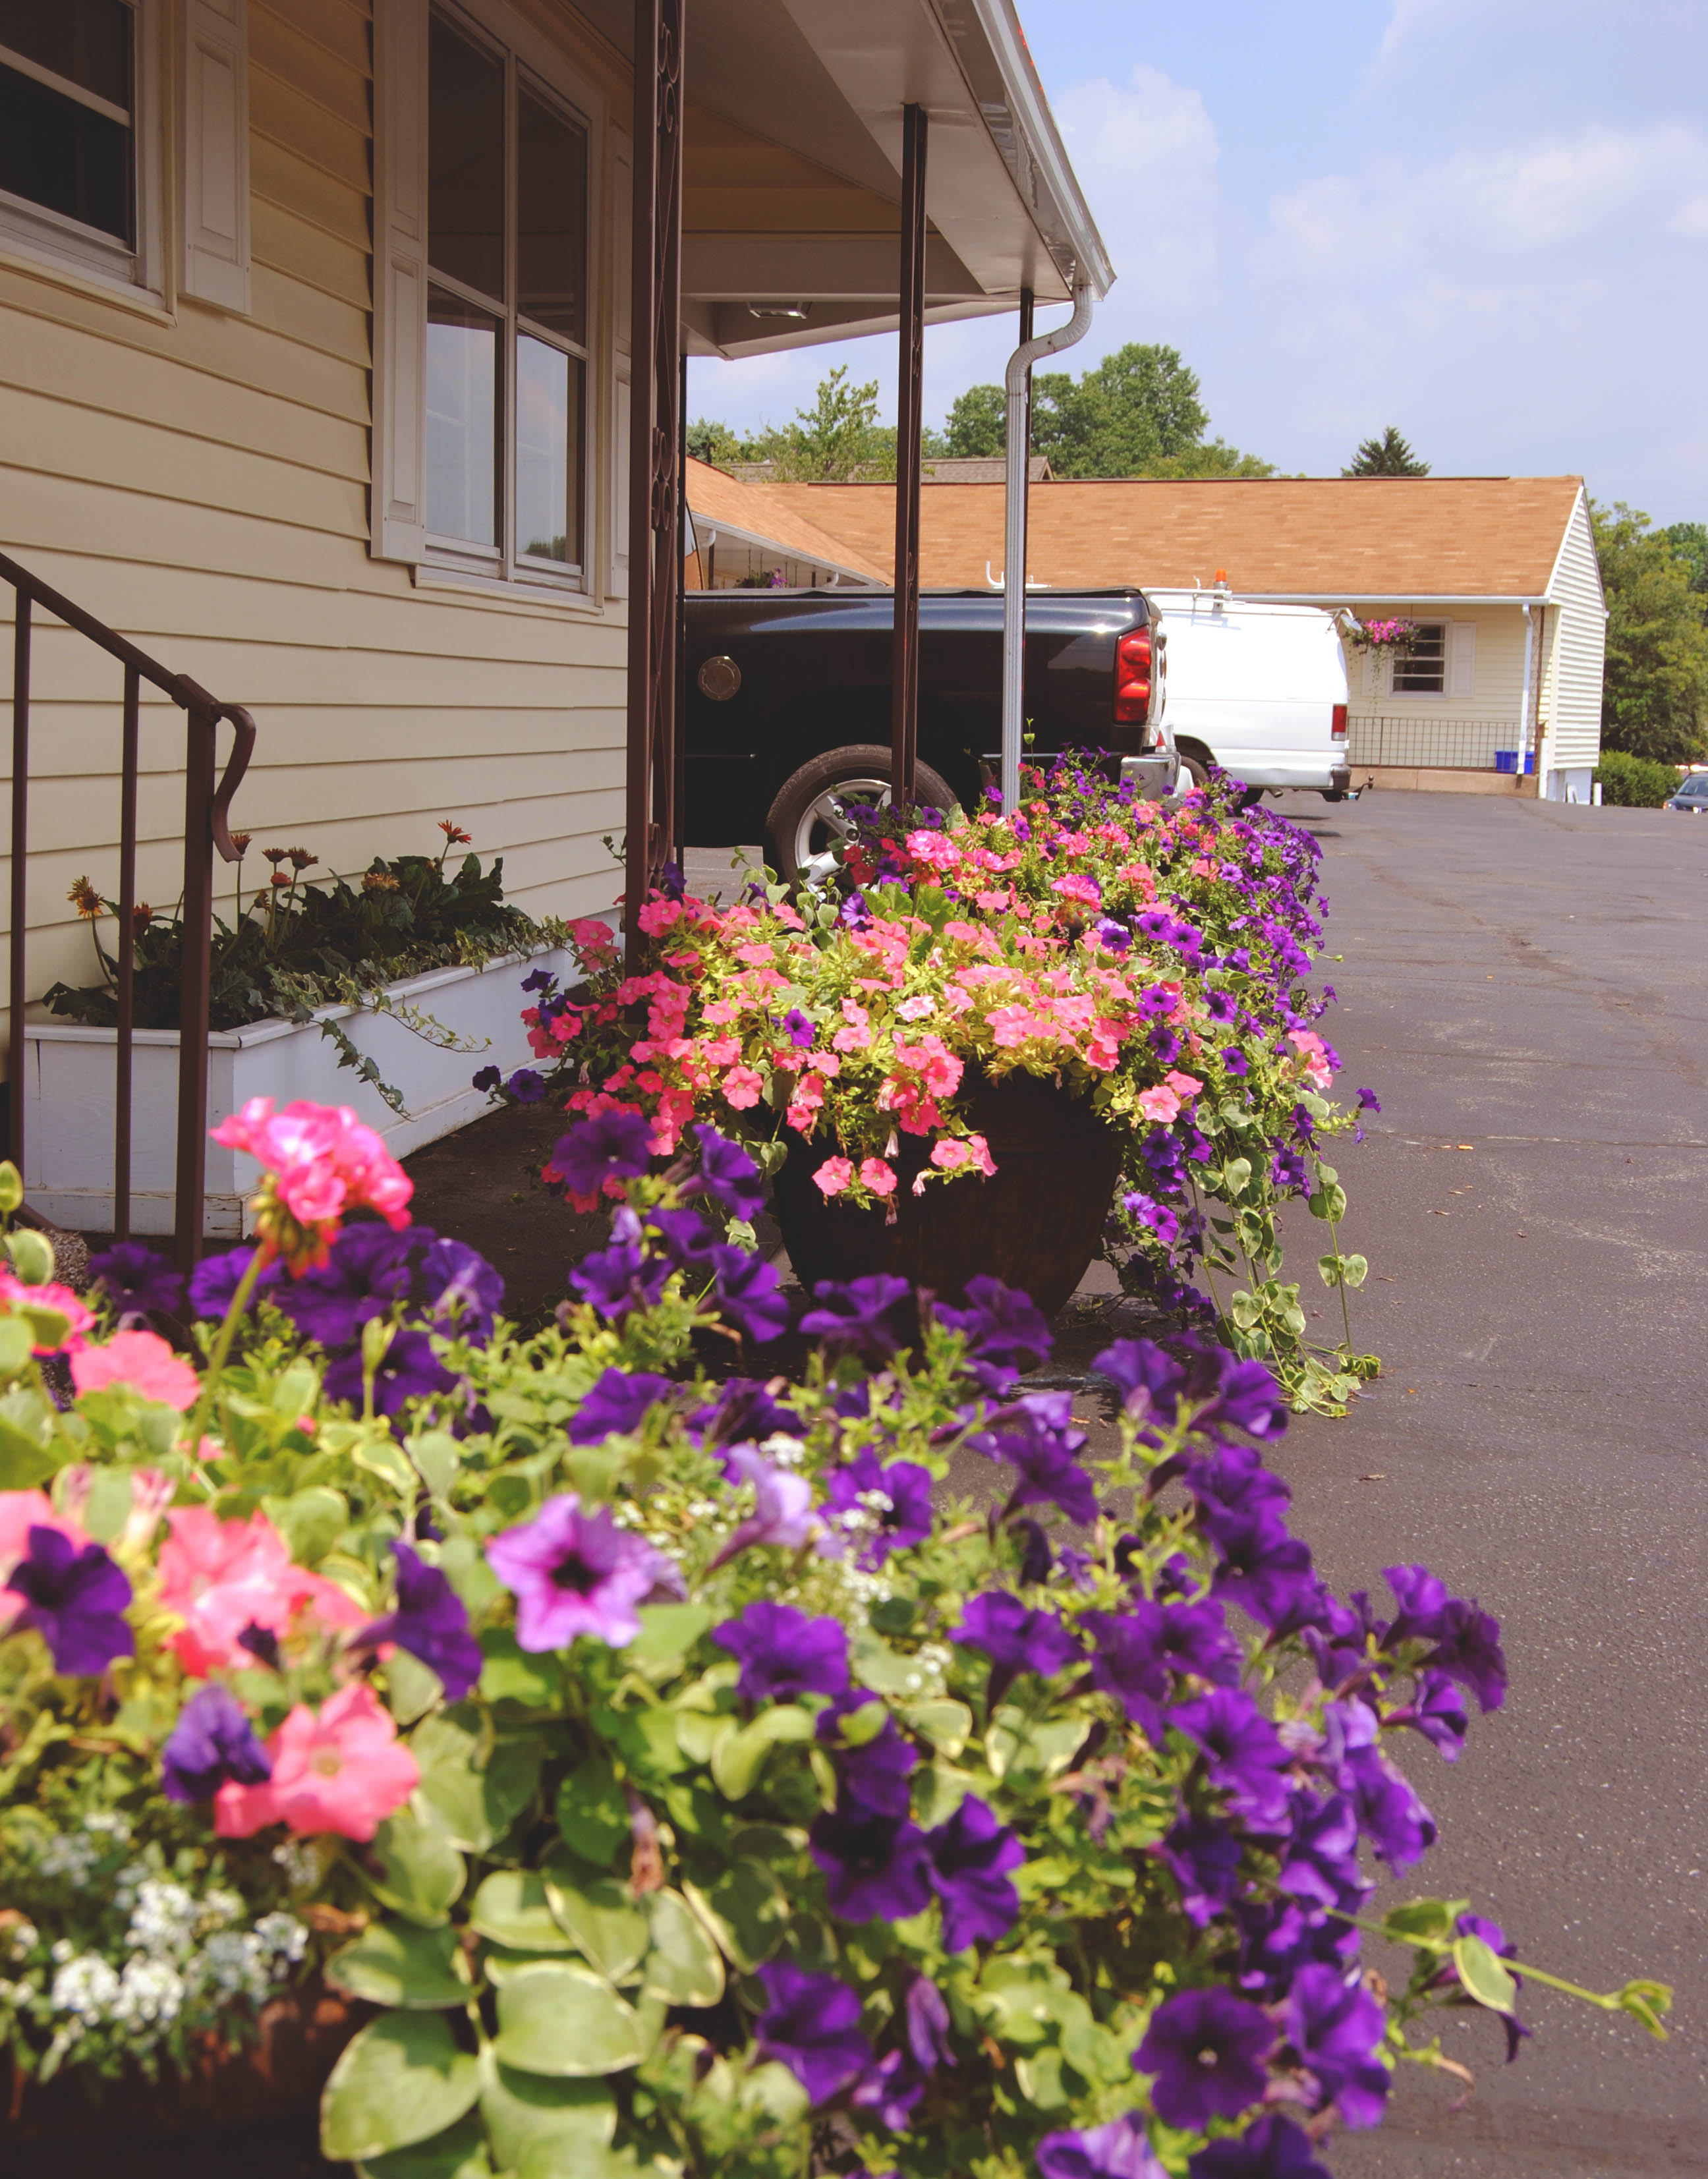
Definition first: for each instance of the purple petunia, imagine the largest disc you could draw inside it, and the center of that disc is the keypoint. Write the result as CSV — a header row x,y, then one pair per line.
x,y
1205,2050
463,1291
487,1077
728,1175
811,2025
744,1408
889,1506
619,1279
875,1866
1203,1858
136,1281
574,1574
611,1145
408,1369
1243,1753
1119,2150
1005,1331
782,1653
926,2015
782,1506
855,1317
615,1404
214,1282
1015,1639
798,1029
1273,2148
432,1622
75,1601
1319,1862
1466,1640
749,1292
1368,1101
1035,1435
970,1855
527,1086
688,1240
1438,1712
213,1741
367,1271
874,1772
1336,2028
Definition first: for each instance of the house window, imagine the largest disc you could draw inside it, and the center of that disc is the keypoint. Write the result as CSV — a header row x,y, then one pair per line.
x,y
77,134
1422,671
506,380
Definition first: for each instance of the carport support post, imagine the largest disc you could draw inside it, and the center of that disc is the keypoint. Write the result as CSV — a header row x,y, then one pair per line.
x,y
654,501
904,654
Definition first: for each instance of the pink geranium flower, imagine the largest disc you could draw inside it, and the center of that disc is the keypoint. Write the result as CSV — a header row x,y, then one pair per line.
x,y
14,1295
144,1362
320,1160
833,1176
341,1771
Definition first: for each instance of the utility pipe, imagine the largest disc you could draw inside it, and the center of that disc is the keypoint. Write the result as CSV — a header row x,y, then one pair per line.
x,y
1015,538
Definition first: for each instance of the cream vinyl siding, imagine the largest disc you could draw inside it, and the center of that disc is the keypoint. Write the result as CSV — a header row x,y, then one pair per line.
x,y
1576,649
1488,683
199,480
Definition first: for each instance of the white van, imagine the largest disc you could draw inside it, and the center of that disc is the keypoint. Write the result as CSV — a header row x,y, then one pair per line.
x,y
1259,690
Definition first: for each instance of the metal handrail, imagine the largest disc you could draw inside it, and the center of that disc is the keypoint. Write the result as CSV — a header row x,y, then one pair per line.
x,y
207,825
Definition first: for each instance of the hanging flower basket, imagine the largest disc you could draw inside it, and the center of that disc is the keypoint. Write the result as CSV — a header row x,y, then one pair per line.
x,y
1395,637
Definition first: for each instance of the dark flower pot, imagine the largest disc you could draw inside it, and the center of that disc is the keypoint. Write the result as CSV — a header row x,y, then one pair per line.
x,y
251,2110
1035,1224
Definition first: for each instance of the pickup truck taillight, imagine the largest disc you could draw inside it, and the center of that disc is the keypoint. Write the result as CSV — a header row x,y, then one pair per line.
x,y
1133,678
1339,729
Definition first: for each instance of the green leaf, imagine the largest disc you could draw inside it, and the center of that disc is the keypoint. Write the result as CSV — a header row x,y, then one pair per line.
x,y
1039,2076
385,1457
945,1723
746,1910
683,1966
422,1873
512,1908
438,1456
882,1669
667,1632
457,2154
1645,2002
412,1688
310,1521
1483,1975
17,1343
513,1674
1015,1747
566,2021
396,1963
592,1813
28,1455
737,1761
473,1805
402,2080
570,2118
598,1913
1423,1921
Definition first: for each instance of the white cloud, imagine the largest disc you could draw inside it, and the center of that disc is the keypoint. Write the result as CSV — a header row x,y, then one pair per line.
x,y
1145,152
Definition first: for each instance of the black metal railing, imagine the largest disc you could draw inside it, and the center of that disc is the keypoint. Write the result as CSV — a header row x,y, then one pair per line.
x,y
1443,744
206,807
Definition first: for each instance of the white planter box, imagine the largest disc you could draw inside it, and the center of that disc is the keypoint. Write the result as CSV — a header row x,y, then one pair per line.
x,y
70,1073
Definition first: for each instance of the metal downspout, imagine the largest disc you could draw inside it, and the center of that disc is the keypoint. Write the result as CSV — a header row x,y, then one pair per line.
x,y
1524,733
1014,522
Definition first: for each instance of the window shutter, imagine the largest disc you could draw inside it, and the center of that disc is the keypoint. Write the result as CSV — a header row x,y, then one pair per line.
x,y
620,226
1463,637
400,279
213,104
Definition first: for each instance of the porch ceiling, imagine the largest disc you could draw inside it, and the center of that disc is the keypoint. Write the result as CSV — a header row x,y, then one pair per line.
x,y
792,182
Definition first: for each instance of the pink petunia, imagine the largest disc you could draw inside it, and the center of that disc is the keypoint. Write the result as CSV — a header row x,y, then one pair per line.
x,y
222,1577
656,915
1160,1105
144,1362
1313,1054
1075,886
833,1176
876,1176
343,1771
743,1087
1184,1086
21,1510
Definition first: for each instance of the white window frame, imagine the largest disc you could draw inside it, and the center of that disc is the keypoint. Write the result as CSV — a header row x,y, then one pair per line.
x,y
1396,665
47,238
401,250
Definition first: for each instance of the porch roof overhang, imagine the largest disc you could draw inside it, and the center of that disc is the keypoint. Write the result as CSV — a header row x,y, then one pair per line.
x,y
792,183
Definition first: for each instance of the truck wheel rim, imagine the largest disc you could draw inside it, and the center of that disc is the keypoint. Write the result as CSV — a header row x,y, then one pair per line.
x,y
828,814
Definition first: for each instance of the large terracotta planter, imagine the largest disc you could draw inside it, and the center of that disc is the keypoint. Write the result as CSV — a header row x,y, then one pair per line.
x,y
196,2126
1035,1224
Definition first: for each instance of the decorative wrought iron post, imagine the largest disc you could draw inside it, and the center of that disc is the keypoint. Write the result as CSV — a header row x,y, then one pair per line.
x,y
904,657
655,503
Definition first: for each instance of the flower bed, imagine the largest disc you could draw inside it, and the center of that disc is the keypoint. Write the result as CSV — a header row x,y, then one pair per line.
x,y
1152,960
691,1781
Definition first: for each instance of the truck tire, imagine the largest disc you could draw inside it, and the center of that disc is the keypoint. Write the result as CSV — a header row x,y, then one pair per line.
x,y
806,821
1195,769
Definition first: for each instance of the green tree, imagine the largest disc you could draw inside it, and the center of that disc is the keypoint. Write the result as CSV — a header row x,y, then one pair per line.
x,y
1690,542
839,437
1388,456
1135,413
1654,694
710,440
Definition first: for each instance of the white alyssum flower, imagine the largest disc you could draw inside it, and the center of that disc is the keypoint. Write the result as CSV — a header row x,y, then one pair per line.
x,y
165,1920
151,1994
85,1987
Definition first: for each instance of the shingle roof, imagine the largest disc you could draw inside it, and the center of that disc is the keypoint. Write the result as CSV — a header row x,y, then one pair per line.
x,y
1404,538
762,511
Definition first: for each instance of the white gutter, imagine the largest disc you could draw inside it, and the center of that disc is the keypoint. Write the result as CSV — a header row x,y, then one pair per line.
x,y
1525,705
1014,544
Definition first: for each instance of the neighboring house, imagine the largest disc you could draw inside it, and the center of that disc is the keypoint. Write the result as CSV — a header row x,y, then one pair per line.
x,y
743,534
1499,573
315,376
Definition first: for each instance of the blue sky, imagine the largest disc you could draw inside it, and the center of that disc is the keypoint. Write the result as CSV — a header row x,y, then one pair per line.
x,y
1484,221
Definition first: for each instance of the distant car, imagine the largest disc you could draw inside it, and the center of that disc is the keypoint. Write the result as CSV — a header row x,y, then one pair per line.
x,y
1692,796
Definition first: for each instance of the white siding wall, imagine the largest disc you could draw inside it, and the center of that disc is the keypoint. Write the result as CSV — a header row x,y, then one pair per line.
x,y
199,480
1479,710
1576,650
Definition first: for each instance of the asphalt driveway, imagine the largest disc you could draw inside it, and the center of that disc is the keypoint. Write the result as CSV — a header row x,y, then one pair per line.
x,y
1530,980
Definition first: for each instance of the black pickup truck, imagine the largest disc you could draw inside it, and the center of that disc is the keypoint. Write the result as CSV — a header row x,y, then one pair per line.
x,y
789,704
